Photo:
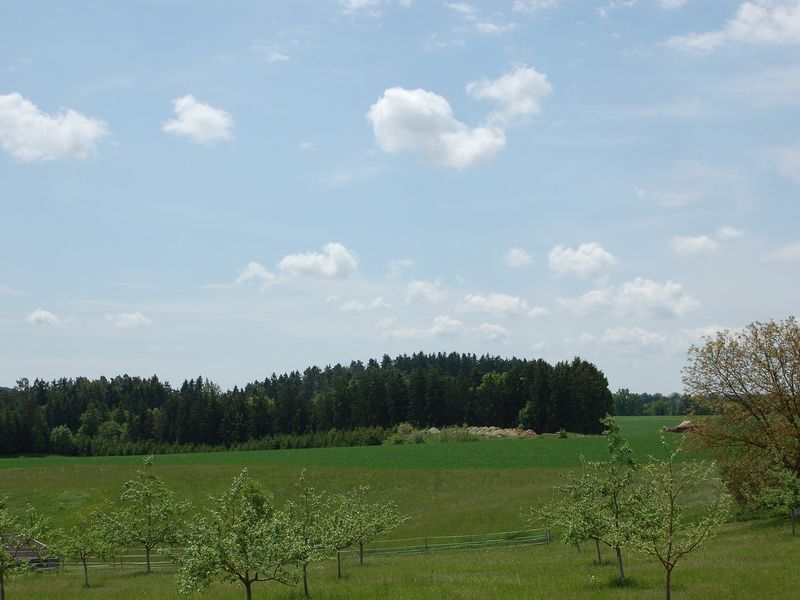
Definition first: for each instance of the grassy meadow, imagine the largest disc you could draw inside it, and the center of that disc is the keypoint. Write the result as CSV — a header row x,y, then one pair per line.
x,y
447,488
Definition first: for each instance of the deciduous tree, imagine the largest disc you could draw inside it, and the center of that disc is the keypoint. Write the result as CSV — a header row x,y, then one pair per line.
x,y
750,380
368,521
18,534
148,516
241,537
595,504
314,534
85,540
662,529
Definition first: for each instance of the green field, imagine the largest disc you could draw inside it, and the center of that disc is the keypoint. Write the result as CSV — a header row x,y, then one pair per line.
x,y
447,488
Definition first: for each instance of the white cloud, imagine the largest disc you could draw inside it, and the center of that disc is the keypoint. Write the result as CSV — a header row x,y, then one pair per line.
x,y
671,4
255,272
637,339
368,7
28,134
626,336
443,326
726,232
532,6
422,121
198,121
335,260
307,146
768,87
692,245
538,311
425,290
519,93
356,306
667,199
400,266
43,317
786,161
764,22
493,304
129,320
788,252
491,333
640,297
269,53
491,28
461,8
588,260
611,5
518,257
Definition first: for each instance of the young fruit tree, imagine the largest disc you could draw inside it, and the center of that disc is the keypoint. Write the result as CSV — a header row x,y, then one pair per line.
x,y
662,529
750,381
314,541
149,517
18,536
341,527
369,521
241,537
83,541
596,505
574,511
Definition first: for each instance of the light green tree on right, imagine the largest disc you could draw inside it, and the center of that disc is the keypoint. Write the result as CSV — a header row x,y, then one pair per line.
x,y
663,530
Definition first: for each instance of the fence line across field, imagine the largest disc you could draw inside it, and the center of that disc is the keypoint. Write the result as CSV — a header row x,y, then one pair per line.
x,y
422,545
393,547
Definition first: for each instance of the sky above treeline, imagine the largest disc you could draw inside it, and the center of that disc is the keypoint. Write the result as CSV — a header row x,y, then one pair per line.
x,y
231,189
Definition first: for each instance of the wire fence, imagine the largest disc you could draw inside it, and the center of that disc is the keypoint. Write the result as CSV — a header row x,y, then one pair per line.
x,y
424,545
137,560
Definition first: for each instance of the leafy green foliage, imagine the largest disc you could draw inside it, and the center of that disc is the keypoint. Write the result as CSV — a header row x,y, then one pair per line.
x,y
18,534
365,521
750,380
244,537
148,516
83,541
314,533
662,528
595,504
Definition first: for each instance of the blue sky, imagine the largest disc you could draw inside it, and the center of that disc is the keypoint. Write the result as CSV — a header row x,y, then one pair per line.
x,y
232,189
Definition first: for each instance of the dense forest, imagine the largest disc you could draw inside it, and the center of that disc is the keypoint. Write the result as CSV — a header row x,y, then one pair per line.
x,y
339,405
627,404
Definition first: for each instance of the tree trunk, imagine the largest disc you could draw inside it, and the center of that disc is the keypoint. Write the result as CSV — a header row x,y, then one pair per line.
x,y
795,514
338,564
361,552
85,574
619,564
667,580
305,579
2,586
597,546
147,554
248,588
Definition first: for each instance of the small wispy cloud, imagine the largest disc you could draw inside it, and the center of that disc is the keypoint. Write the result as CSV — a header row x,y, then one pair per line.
x,y
44,318
131,320
198,121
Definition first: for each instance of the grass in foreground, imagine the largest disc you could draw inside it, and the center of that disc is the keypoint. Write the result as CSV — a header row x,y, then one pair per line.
x,y
449,488
735,565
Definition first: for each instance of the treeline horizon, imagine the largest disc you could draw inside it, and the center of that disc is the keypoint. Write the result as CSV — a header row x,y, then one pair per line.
x,y
338,405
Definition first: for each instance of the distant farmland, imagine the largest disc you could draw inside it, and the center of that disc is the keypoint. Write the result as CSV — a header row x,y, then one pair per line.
x,y
447,488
